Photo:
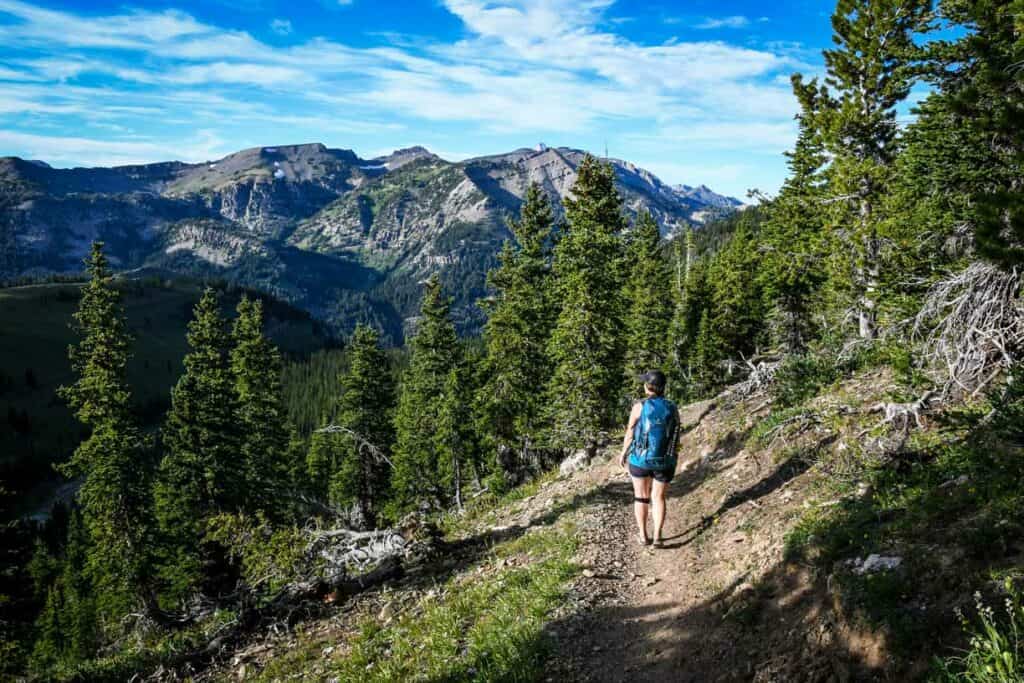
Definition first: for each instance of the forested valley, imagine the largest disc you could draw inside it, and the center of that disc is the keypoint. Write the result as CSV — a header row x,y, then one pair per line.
x,y
896,245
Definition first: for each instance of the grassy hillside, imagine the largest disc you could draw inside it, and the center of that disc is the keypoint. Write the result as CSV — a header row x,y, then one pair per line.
x,y
765,574
36,428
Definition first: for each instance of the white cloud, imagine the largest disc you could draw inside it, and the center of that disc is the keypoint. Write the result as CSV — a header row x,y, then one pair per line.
x,y
134,30
281,27
525,67
735,21
69,149
226,72
721,135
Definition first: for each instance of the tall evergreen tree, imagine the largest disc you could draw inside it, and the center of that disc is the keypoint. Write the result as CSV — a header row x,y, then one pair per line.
x,y
870,71
111,462
354,461
791,265
980,86
200,472
79,619
689,300
433,353
737,314
586,344
520,318
49,647
261,419
649,302
704,372
454,436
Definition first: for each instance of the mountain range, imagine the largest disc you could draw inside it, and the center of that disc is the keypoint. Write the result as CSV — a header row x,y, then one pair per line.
x,y
343,237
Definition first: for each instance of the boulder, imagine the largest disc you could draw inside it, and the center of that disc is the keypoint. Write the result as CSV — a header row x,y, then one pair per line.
x,y
875,563
579,460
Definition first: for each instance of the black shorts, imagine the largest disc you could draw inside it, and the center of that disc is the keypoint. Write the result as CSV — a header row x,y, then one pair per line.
x,y
664,476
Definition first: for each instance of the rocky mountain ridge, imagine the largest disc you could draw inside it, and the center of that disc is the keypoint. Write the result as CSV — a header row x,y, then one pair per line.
x,y
285,218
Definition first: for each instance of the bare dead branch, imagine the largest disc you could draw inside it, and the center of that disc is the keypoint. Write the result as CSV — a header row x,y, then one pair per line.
x,y
365,446
972,326
901,413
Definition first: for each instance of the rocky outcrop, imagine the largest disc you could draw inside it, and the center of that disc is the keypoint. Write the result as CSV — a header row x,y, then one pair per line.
x,y
322,227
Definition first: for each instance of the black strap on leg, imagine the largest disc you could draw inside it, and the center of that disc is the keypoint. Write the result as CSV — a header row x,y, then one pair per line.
x,y
645,501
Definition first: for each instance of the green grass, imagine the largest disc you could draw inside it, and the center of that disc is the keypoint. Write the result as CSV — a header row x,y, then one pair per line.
x,y
763,432
482,627
487,506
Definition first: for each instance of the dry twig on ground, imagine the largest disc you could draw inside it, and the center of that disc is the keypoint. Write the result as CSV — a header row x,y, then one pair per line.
x,y
901,413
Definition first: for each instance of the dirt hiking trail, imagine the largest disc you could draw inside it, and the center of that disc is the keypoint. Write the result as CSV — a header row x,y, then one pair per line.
x,y
717,602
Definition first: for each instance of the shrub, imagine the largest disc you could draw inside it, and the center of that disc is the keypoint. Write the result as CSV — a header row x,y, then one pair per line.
x,y
801,377
996,652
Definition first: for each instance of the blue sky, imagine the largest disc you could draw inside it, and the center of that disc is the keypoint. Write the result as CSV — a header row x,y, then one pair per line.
x,y
697,91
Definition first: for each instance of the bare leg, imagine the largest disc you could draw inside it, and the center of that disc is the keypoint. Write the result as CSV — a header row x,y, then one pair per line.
x,y
641,489
658,507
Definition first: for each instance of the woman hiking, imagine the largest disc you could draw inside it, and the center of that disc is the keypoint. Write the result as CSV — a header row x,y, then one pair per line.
x,y
649,453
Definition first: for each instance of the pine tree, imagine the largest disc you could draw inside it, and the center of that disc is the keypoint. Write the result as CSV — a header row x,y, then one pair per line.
x,y
111,462
690,298
261,419
791,266
586,344
979,76
737,315
704,373
49,646
649,300
454,436
79,618
870,71
519,323
200,473
356,460
433,352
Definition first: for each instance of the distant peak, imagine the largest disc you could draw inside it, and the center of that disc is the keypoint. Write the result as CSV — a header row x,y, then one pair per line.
x,y
415,149
401,157
302,147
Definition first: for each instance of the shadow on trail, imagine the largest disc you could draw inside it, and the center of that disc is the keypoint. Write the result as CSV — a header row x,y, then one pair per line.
x,y
472,548
719,459
780,630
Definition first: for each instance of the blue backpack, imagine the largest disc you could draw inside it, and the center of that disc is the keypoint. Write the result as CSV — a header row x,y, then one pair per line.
x,y
654,436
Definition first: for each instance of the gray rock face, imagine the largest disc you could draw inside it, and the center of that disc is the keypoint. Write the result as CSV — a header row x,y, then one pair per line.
x,y
334,233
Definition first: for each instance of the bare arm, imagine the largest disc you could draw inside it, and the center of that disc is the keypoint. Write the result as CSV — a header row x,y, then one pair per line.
x,y
634,415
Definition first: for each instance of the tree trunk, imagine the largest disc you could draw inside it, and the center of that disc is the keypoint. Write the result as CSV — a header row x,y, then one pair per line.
x,y
868,272
458,480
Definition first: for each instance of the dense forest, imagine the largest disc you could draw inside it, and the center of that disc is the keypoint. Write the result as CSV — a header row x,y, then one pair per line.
x,y
892,243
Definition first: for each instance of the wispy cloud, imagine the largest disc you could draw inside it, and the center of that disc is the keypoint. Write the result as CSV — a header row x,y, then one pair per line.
x,y
523,67
62,149
735,21
281,27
